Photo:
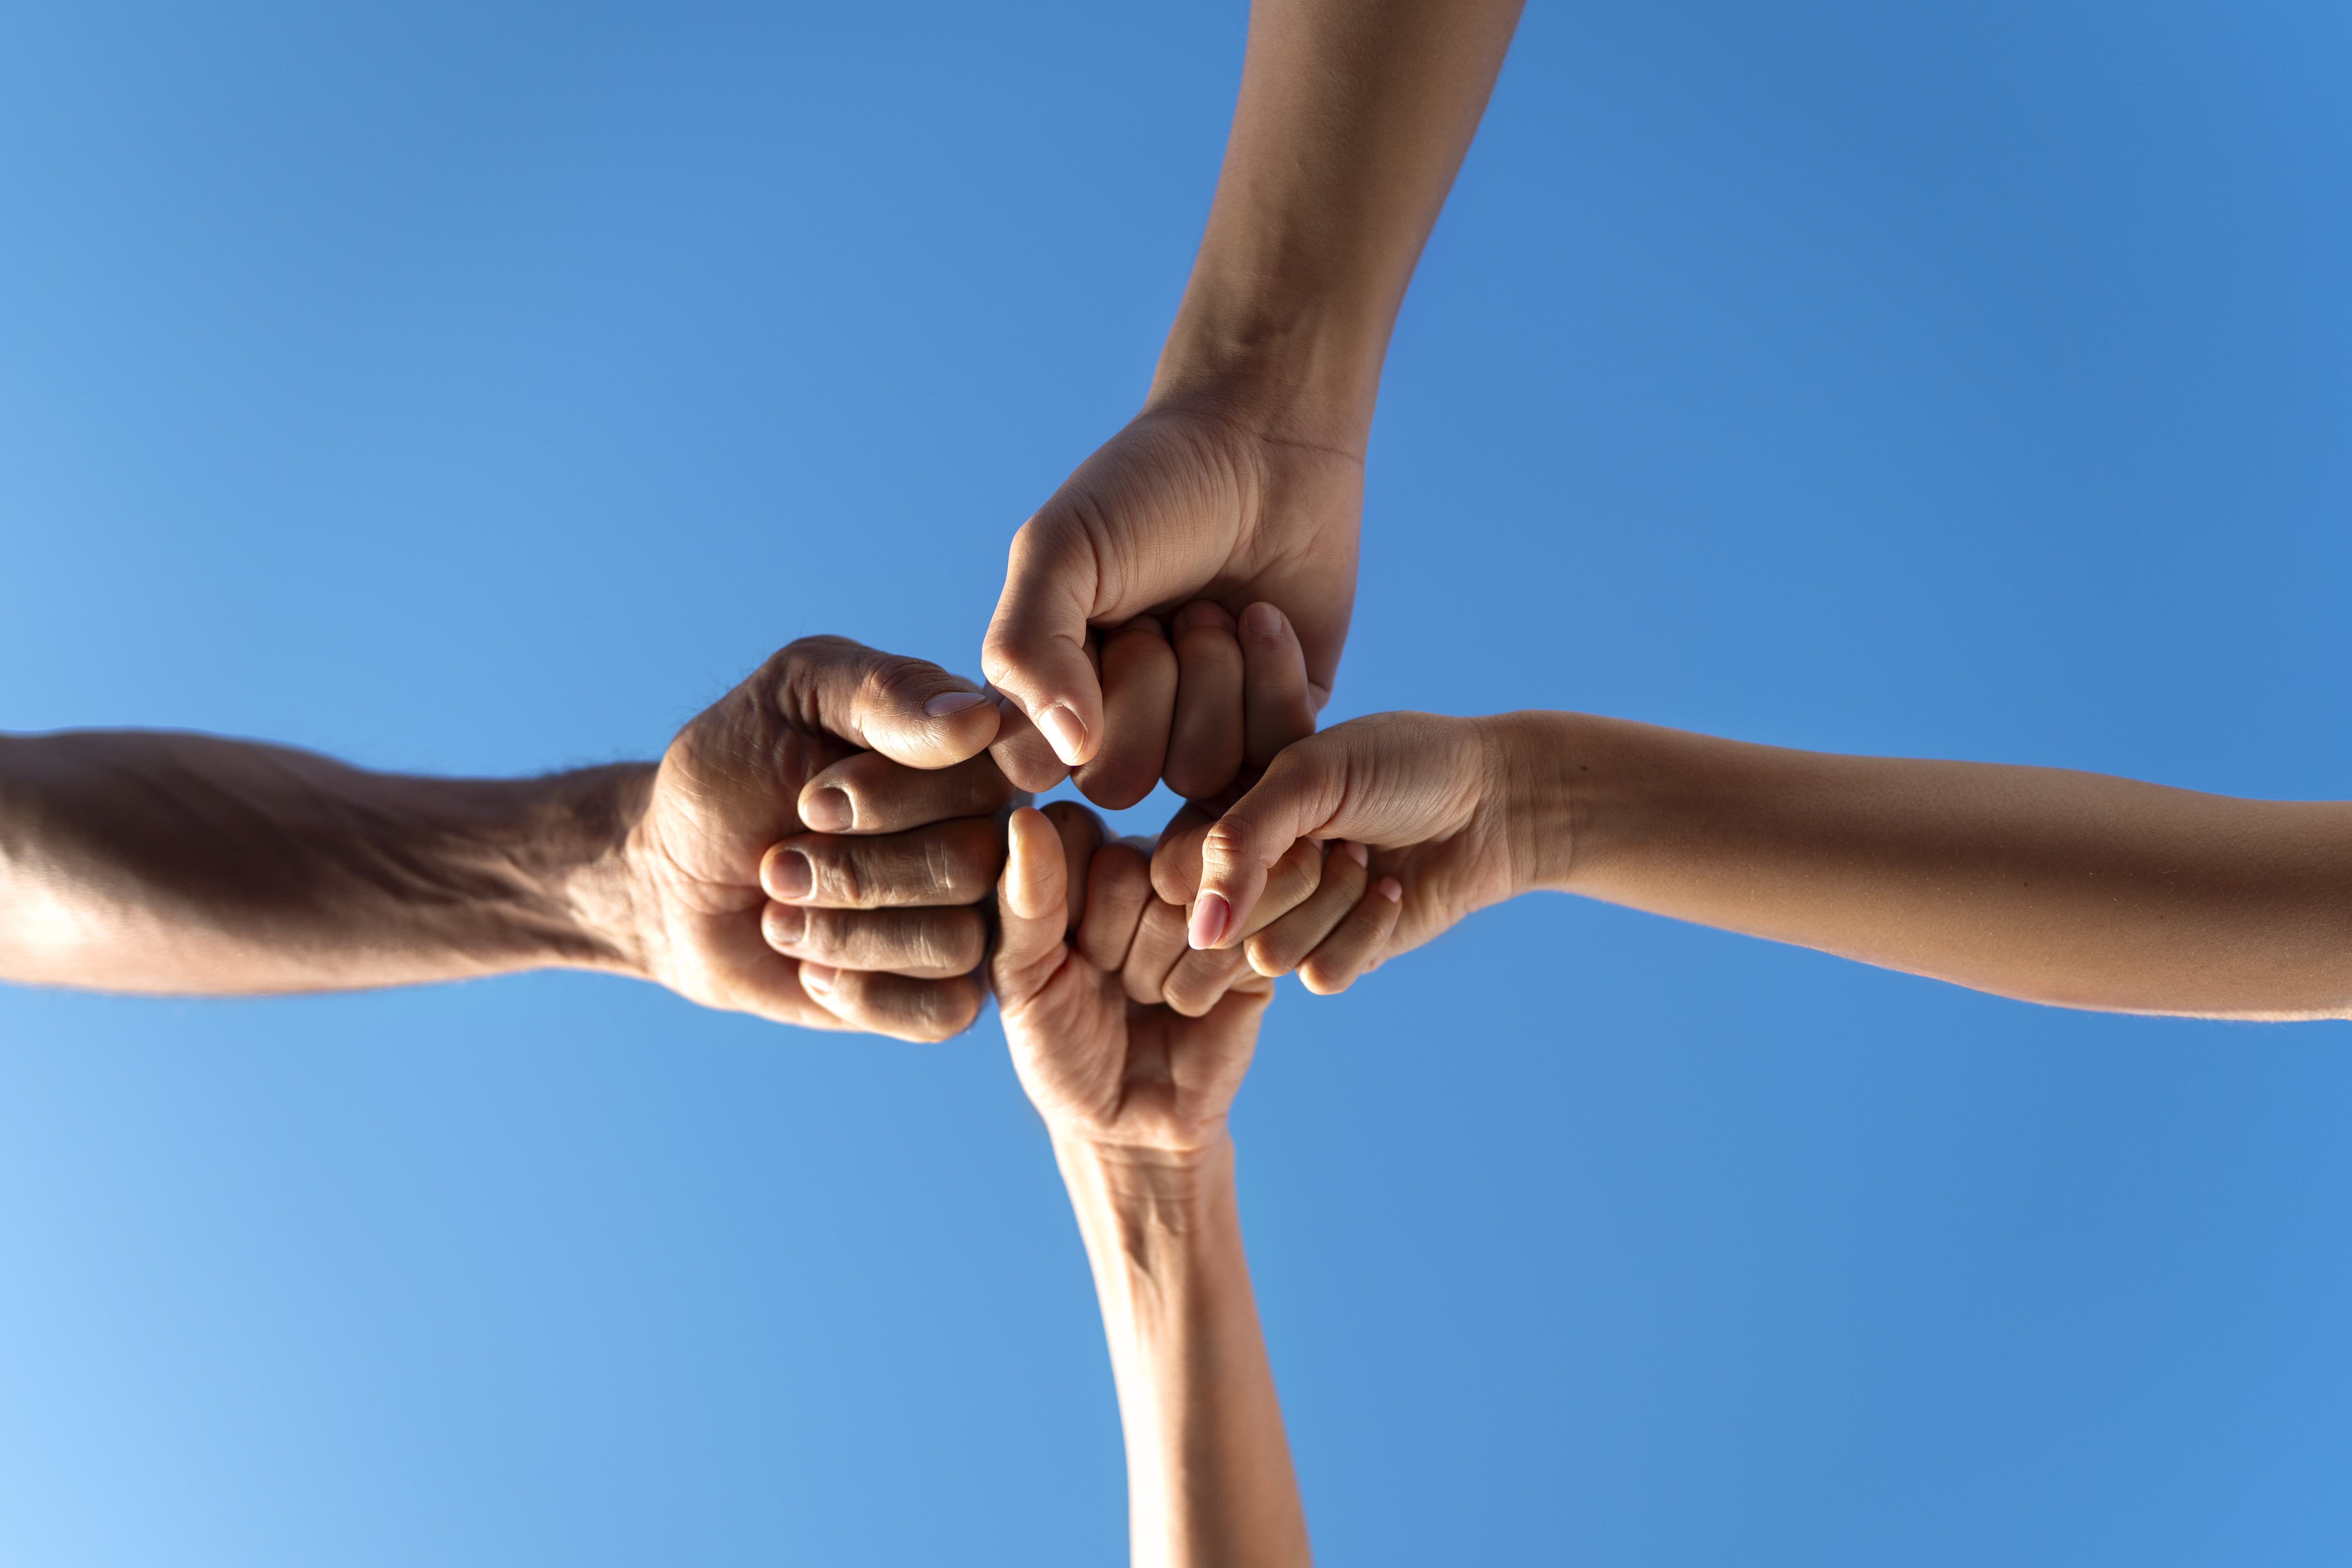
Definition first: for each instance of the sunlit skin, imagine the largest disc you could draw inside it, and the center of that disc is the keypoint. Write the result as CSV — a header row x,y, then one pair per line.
x,y
165,862
1241,479
1135,1097
2070,889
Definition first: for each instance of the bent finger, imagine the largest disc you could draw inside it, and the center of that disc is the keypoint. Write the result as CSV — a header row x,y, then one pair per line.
x,y
1200,979
1159,944
1081,833
1357,945
893,1004
1277,707
923,944
1206,737
1118,887
869,793
1138,687
1290,881
1278,947
952,862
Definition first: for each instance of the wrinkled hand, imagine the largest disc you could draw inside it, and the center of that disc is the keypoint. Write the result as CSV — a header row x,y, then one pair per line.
x,y
1103,1068
1428,798
1181,504
814,843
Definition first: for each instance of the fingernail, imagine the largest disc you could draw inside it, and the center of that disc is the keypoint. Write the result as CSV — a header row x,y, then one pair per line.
x,y
816,979
1061,728
790,875
1262,621
786,925
1210,916
828,811
947,702
1389,889
1358,853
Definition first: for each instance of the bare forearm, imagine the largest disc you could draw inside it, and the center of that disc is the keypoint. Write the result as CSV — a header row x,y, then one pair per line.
x,y
1352,121
2073,888
177,863
1209,1473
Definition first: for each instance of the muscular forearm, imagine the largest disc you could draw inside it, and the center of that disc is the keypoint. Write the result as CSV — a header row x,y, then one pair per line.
x,y
1352,120
1209,1474
179,863
2066,888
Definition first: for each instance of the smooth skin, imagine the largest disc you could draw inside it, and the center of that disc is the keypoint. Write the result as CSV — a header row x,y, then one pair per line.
x,y
810,849
1136,1099
1241,477
2070,889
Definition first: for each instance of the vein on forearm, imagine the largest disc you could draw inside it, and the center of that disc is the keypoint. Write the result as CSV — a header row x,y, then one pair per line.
x,y
154,861
1209,1471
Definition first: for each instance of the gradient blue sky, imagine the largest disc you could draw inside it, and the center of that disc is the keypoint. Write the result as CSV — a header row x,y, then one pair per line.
x,y
486,388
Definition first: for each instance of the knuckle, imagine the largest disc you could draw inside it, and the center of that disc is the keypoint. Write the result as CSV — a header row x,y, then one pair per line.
x,y
843,880
889,676
1225,843
948,944
820,938
820,648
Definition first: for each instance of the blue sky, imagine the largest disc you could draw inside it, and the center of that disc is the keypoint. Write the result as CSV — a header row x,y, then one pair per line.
x,y
486,389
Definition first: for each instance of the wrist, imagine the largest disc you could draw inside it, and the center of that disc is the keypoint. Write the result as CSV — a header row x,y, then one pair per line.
x,y
1141,1190
1543,780
587,826
1306,372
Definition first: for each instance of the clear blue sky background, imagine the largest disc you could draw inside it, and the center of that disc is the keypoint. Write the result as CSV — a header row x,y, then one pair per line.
x,y
487,388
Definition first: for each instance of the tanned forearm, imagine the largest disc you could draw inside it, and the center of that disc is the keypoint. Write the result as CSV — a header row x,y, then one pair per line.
x,y
2071,889
1354,115
180,863
1209,1473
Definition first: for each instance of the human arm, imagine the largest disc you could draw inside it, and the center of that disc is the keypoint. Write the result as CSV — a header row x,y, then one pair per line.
x,y
189,864
1135,1098
2071,889
1241,477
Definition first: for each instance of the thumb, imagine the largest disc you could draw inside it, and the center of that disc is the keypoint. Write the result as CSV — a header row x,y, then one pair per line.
x,y
1300,792
1386,779
1032,908
1035,651
910,709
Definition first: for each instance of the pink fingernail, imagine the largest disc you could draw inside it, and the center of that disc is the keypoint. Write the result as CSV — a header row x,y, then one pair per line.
x,y
1262,621
817,979
1391,888
1210,916
785,924
1358,853
947,702
1061,728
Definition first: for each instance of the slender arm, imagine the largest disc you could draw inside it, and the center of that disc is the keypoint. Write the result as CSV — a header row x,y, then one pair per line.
x,y
147,861
2073,888
1353,118
1209,1475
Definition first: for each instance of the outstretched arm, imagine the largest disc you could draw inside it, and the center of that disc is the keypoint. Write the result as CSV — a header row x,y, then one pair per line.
x,y
1241,477
2070,889
810,849
1135,1098
182,863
